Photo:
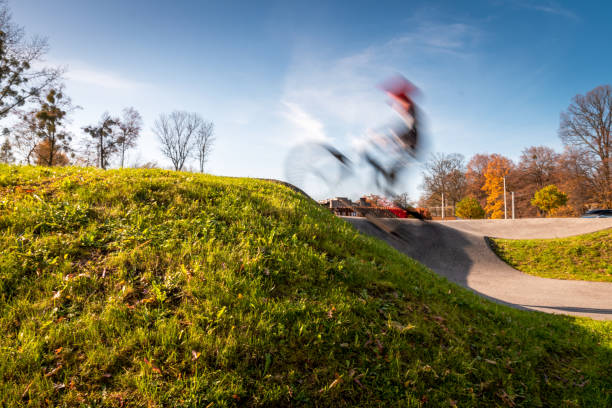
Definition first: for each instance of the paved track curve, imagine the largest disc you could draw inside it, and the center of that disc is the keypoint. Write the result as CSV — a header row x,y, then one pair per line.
x,y
459,251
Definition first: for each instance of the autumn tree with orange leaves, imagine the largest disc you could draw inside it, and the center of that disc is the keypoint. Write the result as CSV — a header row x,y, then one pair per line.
x,y
498,168
474,175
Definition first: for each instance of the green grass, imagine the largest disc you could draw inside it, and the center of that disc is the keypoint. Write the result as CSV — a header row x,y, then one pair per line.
x,y
583,257
157,288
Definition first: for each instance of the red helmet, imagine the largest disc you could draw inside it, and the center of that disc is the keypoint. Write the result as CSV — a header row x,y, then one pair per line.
x,y
399,87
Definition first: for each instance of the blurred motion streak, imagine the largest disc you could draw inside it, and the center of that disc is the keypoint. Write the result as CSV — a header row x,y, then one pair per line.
x,y
387,152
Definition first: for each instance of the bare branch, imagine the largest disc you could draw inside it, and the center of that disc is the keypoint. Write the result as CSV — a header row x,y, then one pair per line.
x,y
444,174
176,133
129,127
19,80
587,125
204,141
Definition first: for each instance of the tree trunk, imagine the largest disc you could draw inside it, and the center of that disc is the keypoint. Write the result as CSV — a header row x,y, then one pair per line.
x,y
51,151
122,153
100,164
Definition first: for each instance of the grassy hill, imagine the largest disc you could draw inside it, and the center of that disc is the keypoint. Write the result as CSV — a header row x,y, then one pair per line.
x,y
158,288
583,257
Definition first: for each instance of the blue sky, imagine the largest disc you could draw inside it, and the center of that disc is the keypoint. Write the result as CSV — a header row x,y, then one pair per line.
x,y
494,75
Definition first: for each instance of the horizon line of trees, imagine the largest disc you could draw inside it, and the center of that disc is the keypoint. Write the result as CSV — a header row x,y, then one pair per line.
x,y
35,101
581,174
573,172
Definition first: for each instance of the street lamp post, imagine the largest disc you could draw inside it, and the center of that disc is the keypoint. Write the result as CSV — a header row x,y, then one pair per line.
x,y
505,208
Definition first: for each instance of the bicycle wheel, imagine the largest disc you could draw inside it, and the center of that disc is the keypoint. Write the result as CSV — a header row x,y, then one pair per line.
x,y
317,168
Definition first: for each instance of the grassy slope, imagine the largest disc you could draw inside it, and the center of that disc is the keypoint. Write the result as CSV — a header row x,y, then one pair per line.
x,y
584,257
150,287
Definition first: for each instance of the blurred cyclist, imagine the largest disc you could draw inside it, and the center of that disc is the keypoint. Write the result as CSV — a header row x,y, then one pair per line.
x,y
399,145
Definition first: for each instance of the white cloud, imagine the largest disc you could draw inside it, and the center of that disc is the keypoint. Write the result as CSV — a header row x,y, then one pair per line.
x,y
336,99
549,7
103,79
306,126
456,38
82,73
341,92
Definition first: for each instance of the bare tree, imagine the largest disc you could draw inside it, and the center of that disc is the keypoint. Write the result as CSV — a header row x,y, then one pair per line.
x,y
587,124
203,143
25,136
176,133
6,152
403,201
444,174
129,127
104,138
537,166
19,81
578,176
86,154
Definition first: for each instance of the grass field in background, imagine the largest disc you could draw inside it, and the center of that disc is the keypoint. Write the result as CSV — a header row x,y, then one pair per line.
x,y
159,288
583,257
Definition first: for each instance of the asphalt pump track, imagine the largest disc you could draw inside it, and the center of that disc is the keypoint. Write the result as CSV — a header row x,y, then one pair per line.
x,y
459,251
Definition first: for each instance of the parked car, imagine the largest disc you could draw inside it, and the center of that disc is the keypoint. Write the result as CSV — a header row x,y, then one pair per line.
x,y
598,214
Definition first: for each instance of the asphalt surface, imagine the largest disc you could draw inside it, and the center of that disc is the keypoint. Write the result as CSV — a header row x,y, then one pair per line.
x,y
458,250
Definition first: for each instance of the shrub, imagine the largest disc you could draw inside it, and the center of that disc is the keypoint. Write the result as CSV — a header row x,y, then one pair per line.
x,y
469,208
549,199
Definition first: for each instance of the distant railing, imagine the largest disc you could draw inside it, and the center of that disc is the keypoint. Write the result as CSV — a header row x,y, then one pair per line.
x,y
436,212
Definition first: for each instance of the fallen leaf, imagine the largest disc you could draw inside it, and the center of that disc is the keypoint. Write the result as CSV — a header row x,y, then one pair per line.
x,y
25,392
400,327
334,383
55,370
59,386
155,369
